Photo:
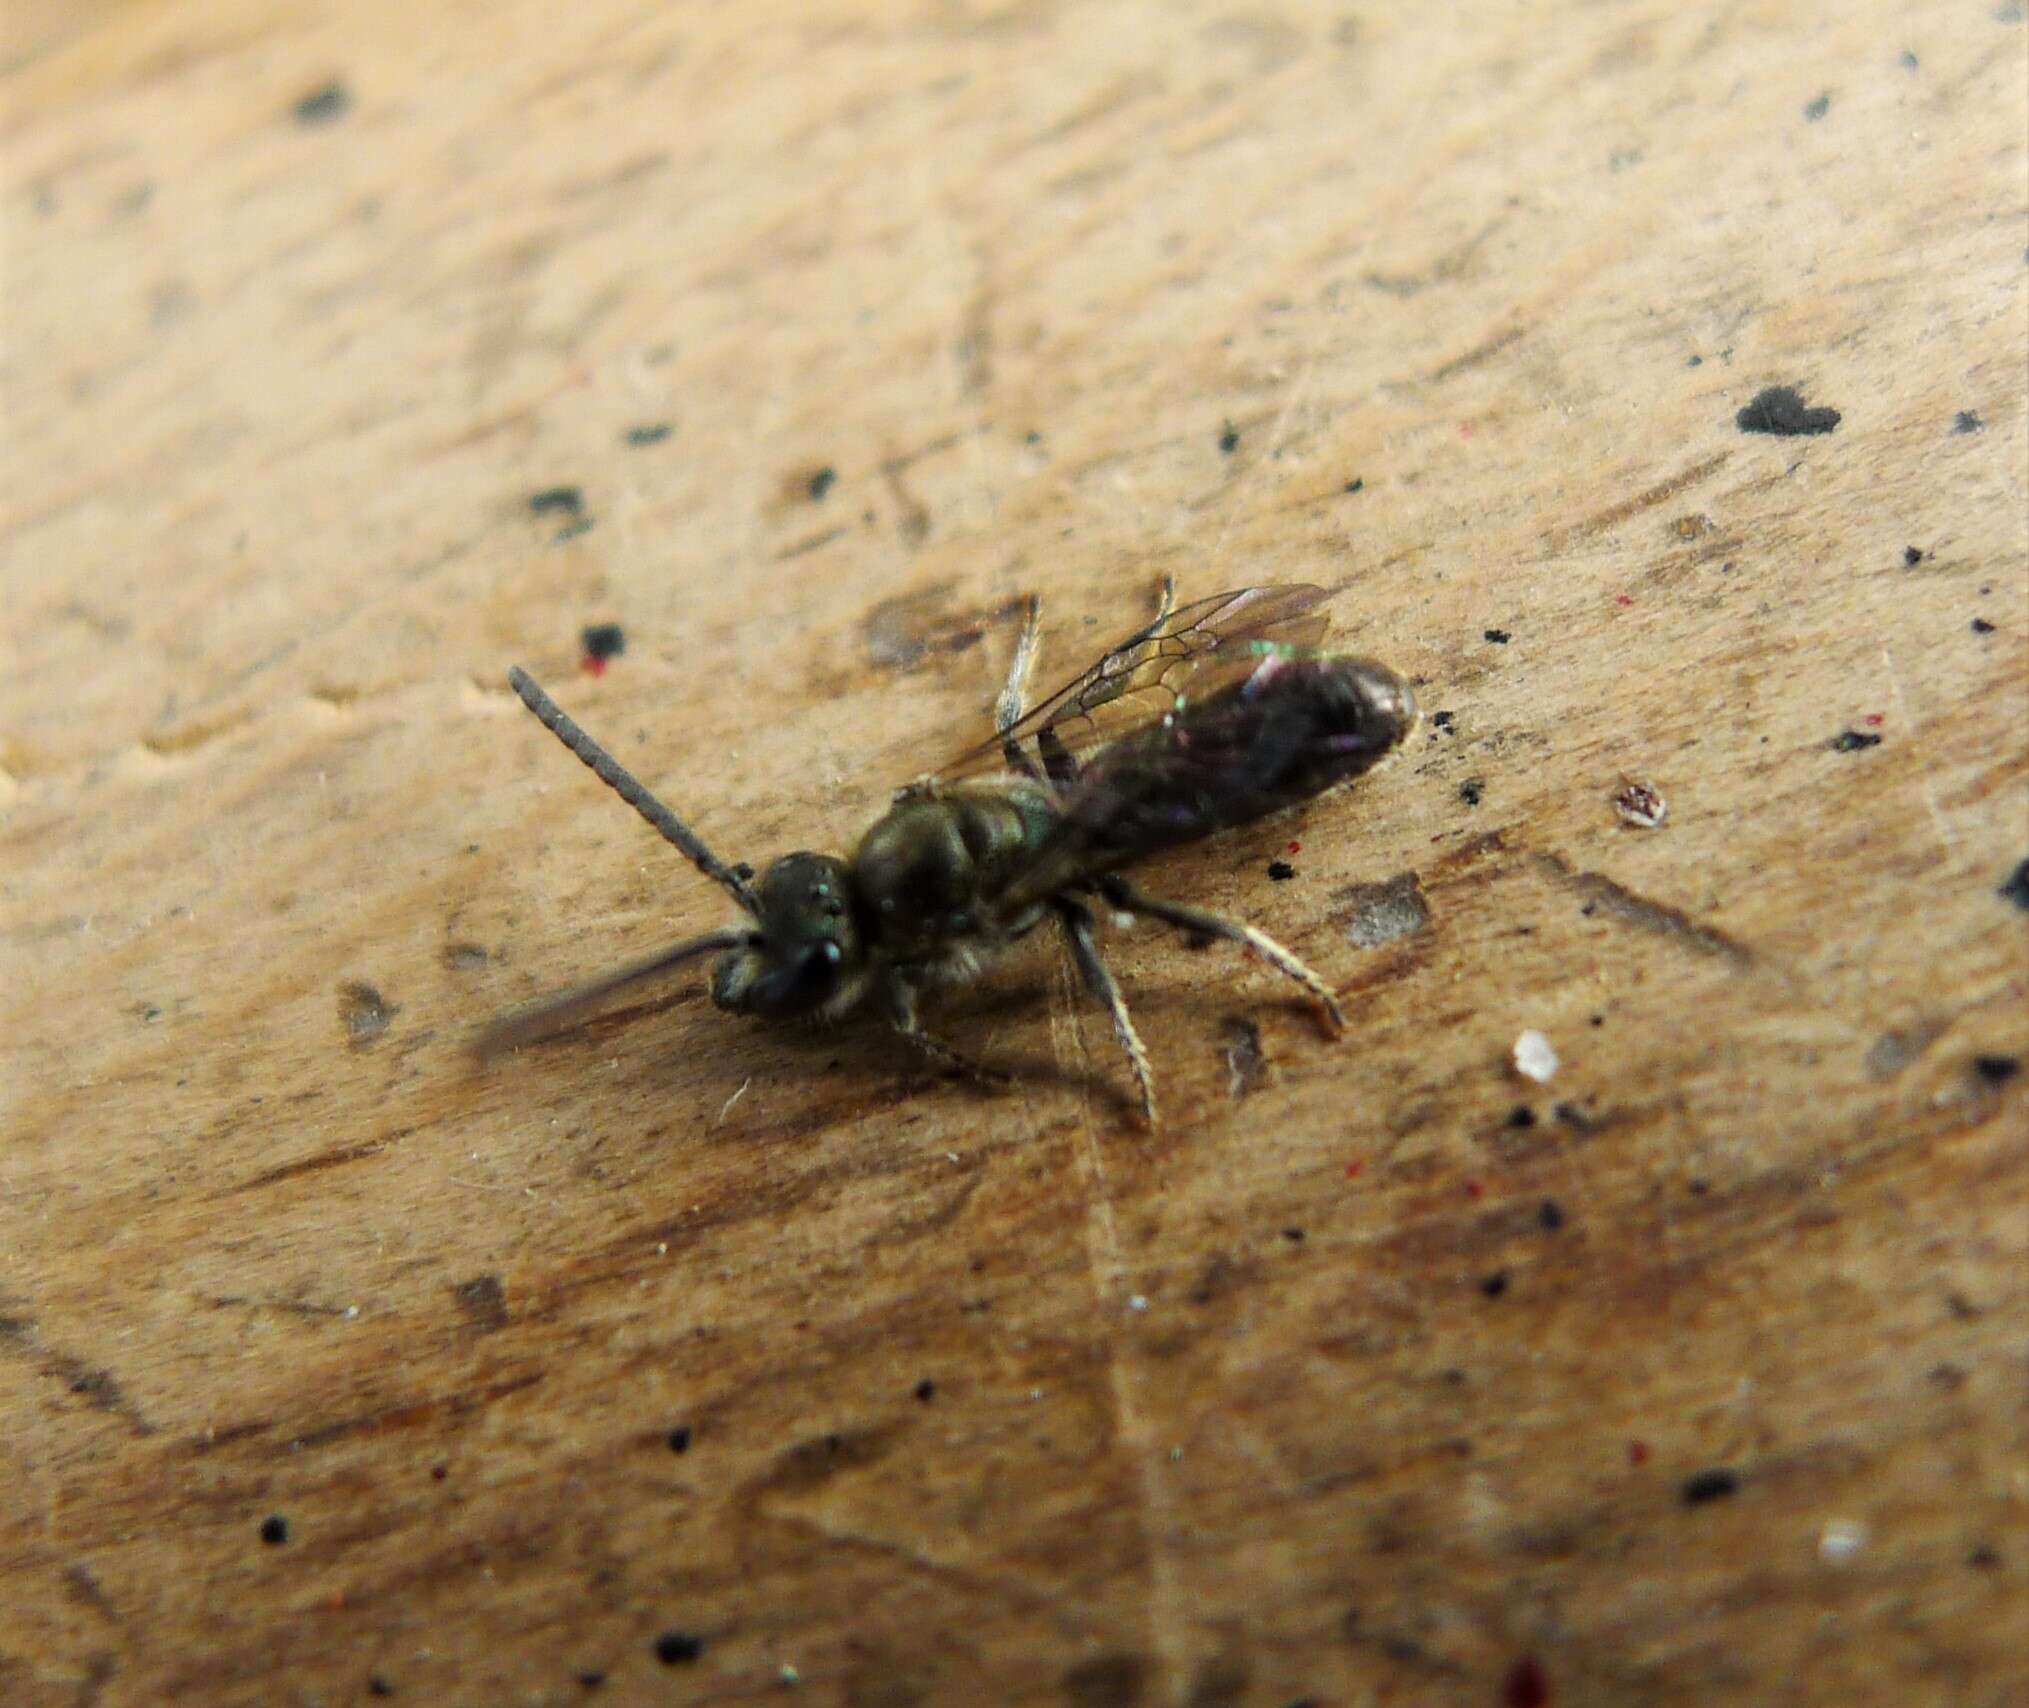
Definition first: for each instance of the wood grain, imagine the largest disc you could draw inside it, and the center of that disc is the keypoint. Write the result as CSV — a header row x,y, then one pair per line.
x,y
685,1361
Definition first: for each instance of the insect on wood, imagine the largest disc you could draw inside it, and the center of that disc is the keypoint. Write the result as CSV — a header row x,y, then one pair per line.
x,y
1209,716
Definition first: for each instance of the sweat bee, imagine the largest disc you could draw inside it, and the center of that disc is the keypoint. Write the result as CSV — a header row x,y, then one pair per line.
x,y
1211,715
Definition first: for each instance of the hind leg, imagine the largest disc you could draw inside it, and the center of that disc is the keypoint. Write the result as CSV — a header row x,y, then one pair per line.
x,y
1124,895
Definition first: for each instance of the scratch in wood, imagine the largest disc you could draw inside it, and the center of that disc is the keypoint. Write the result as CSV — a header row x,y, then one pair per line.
x,y
1604,895
1647,499
313,1164
1937,822
1474,357
415,1412
93,1383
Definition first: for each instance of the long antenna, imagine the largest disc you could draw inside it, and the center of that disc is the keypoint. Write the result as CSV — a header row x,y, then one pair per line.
x,y
562,1012
629,788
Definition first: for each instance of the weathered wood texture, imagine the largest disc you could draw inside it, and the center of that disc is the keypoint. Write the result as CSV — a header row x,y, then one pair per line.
x,y
1377,1374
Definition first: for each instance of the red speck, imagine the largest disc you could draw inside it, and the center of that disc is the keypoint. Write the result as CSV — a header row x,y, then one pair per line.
x,y
1475,1189
1527,1686
592,666
1623,598
1466,429
1637,1452
1296,848
1874,720
1353,1170
335,1602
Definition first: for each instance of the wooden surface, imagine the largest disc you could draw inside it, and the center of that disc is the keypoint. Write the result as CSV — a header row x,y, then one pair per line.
x,y
1379,1374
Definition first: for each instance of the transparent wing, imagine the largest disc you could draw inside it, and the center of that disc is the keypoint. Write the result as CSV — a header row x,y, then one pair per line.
x,y
1146,677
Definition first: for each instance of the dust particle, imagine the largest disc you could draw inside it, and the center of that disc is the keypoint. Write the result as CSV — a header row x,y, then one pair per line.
x,y
1641,805
1380,913
649,433
2016,889
1968,421
1853,740
325,106
365,1011
604,640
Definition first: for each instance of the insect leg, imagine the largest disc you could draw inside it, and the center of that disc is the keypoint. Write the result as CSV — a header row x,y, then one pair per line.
x,y
1123,894
899,997
1007,710
1076,919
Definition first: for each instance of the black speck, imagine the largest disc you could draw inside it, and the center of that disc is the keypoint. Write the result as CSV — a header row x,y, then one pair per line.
x,y
1521,1116
1912,556
1229,439
679,1438
822,482
1780,409
274,1530
325,106
591,1678
1695,362
1984,1558
1440,720
1281,871
1715,1484
678,1648
1981,626
1499,637
1356,484
649,433
926,1390
1996,1070
1908,61
1471,791
1293,1235
1495,1284
604,640
2016,889
378,1686
1853,740
573,528
1817,109
1550,1215
1968,421
557,500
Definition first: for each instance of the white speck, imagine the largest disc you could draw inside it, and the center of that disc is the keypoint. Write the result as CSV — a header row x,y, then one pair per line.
x,y
1175,1453
662,1248
1138,1303
1840,1541
1123,922
788,1674
1035,1393
351,1313
950,1156
1534,1058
